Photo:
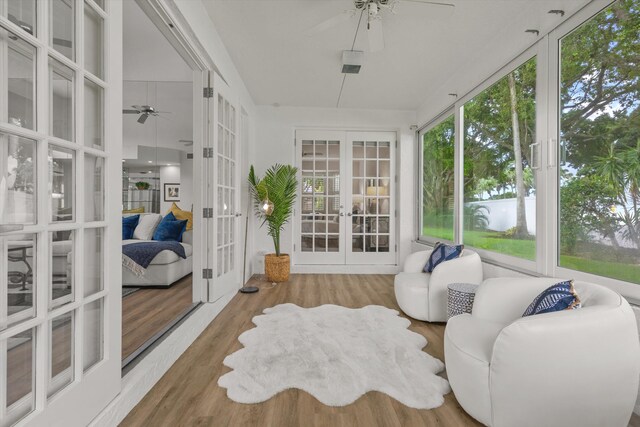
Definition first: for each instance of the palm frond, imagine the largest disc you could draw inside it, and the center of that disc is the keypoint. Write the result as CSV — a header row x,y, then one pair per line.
x,y
280,185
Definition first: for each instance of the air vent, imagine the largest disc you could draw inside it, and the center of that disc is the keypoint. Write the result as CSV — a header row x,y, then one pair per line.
x,y
352,61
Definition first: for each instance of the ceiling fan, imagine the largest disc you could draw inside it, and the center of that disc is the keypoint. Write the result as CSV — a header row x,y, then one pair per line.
x,y
145,111
374,9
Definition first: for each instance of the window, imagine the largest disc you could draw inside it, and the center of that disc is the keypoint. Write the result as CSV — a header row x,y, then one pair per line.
x,y
499,188
599,173
584,78
438,180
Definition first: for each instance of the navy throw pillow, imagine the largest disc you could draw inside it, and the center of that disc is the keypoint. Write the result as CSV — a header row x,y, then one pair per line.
x,y
561,296
170,229
129,224
442,253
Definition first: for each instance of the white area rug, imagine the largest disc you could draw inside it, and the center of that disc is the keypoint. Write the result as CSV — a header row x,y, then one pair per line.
x,y
336,354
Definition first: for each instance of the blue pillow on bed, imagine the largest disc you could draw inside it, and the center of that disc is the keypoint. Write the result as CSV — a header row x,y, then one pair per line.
x,y
128,225
170,229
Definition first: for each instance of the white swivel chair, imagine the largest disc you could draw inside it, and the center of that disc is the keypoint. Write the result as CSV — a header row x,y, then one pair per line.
x,y
423,296
568,368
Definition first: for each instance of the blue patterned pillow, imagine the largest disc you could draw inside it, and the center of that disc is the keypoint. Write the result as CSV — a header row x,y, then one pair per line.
x,y
129,224
442,253
170,229
561,296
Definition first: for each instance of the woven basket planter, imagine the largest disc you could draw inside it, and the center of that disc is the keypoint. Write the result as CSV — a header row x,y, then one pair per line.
x,y
277,268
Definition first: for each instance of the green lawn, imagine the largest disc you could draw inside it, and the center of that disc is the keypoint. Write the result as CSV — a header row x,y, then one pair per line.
x,y
491,241
526,249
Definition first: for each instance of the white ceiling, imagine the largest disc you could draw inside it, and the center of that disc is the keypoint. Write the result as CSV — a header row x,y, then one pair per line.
x,y
281,65
148,56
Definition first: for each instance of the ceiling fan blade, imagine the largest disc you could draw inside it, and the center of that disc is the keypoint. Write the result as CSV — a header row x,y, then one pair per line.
x,y
130,111
375,35
331,22
143,118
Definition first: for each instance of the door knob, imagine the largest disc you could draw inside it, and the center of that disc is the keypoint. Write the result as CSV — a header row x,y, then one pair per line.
x,y
238,214
341,214
349,214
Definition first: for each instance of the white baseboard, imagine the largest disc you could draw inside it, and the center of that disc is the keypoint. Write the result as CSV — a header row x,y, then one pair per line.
x,y
139,381
345,269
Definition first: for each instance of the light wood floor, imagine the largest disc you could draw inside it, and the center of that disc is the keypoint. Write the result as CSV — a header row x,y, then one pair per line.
x,y
147,311
188,394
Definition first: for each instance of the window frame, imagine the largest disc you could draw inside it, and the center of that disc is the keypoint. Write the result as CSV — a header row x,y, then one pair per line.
x,y
439,119
547,51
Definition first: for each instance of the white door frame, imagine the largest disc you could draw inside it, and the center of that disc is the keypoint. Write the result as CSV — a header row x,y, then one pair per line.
x,y
342,261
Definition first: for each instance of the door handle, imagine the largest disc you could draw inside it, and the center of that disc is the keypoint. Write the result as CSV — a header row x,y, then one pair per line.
x,y
238,214
9,228
349,214
341,214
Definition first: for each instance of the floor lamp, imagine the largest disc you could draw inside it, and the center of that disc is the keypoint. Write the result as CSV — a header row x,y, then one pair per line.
x,y
246,289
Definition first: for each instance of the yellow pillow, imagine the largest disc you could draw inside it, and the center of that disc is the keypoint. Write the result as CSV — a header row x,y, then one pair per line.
x,y
182,215
134,211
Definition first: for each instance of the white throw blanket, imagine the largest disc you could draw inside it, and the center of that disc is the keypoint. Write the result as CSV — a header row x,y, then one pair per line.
x,y
336,354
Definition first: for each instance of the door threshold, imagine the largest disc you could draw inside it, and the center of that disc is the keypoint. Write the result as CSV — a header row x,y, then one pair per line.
x,y
130,361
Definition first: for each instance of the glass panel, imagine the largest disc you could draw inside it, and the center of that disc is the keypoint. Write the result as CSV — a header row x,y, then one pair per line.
x,y
93,260
307,149
356,243
307,205
220,232
93,35
438,180
93,341
333,150
306,243
18,267
372,169
220,263
20,359
383,243
358,150
93,115
321,243
499,185
93,188
61,353
62,31
232,118
61,267
358,168
371,150
23,14
321,149
19,81
61,183
358,187
17,180
220,110
370,244
61,99
384,150
333,243
220,139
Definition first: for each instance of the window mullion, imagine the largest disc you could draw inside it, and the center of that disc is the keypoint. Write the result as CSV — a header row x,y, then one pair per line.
x,y
458,203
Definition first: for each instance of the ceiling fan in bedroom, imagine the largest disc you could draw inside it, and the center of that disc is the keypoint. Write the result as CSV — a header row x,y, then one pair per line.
x,y
145,111
374,10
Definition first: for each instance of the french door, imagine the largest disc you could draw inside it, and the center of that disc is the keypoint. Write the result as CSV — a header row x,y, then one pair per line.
x,y
60,301
224,239
346,198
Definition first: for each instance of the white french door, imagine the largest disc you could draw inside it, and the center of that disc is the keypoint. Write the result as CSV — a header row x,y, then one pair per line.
x,y
346,202
225,197
60,135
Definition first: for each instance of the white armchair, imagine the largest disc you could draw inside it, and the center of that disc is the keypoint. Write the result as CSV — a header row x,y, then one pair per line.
x,y
567,368
423,296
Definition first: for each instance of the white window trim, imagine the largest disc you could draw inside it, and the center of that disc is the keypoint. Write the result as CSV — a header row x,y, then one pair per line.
x,y
546,50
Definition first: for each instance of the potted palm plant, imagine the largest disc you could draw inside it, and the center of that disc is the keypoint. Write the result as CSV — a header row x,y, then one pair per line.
x,y
273,198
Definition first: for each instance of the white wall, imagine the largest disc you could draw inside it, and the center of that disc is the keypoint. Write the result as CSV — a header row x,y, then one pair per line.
x,y
169,175
275,144
186,182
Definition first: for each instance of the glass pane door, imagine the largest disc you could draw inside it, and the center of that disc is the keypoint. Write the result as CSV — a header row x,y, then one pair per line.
x,y
225,202
370,235
59,301
320,219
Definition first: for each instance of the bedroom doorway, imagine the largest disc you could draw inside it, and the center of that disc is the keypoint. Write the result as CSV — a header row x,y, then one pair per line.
x,y
159,192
